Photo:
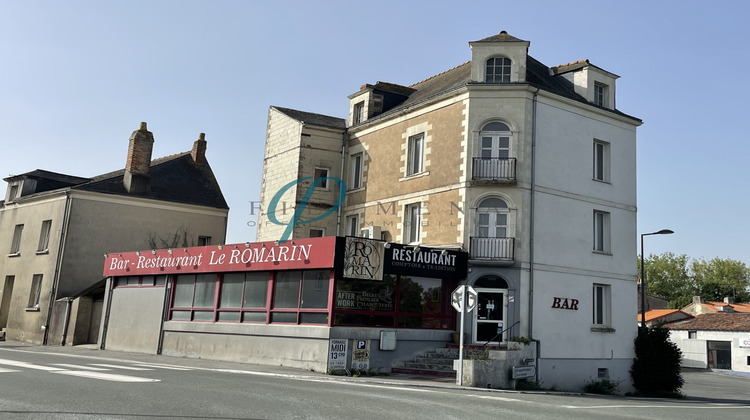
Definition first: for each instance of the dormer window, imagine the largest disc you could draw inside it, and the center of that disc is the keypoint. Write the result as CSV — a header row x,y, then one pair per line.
x,y
359,112
600,94
13,194
498,70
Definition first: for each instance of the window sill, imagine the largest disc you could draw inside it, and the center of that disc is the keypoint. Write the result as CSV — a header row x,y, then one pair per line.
x,y
603,329
414,176
602,252
42,252
603,181
358,189
33,309
16,254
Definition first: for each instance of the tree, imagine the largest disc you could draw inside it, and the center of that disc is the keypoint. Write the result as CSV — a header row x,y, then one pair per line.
x,y
667,277
719,278
180,239
656,367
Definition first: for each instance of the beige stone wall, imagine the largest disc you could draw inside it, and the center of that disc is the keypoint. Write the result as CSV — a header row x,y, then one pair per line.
x,y
24,323
388,188
280,166
294,151
104,224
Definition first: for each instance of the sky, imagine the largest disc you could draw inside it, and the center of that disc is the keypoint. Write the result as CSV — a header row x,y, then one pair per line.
x,y
77,78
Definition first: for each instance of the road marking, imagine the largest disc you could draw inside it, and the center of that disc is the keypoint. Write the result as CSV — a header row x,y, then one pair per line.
x,y
105,376
28,365
154,365
98,369
119,366
3,370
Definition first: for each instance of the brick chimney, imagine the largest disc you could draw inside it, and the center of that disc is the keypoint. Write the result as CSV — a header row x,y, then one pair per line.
x,y
137,179
199,150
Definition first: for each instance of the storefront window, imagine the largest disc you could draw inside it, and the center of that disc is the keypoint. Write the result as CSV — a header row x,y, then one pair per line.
x,y
231,290
403,302
286,292
183,291
205,290
315,289
242,297
256,289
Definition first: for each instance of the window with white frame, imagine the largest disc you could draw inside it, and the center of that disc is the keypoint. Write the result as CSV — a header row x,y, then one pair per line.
x,y
601,160
498,70
352,226
415,158
412,223
204,240
602,232
600,94
355,178
601,305
44,236
492,218
317,233
321,173
36,291
15,246
359,112
13,193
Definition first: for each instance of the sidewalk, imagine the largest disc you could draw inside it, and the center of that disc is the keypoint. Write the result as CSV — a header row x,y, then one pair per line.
x,y
91,350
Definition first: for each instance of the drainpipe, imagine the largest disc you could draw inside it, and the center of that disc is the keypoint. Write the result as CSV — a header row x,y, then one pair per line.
x,y
341,177
531,231
58,263
105,316
68,307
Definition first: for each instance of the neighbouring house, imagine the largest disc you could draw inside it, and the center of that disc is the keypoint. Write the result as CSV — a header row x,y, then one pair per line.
x,y
699,306
656,317
652,302
57,227
530,169
716,340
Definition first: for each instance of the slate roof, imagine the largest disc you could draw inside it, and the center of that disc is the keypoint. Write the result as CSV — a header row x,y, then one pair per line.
x,y
501,37
313,119
537,75
175,178
48,175
714,322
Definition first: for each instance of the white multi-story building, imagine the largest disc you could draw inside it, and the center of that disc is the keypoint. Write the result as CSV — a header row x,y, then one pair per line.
x,y
529,168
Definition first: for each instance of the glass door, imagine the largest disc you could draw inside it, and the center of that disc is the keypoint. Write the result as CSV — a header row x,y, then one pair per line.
x,y
489,316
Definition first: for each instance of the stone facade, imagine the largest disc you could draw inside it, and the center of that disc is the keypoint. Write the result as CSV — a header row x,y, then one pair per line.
x,y
534,175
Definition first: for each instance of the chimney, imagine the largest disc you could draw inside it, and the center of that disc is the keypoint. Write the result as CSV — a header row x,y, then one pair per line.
x,y
697,300
136,178
729,300
199,150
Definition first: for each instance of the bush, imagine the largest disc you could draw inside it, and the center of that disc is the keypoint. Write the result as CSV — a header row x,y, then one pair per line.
x,y
656,367
602,386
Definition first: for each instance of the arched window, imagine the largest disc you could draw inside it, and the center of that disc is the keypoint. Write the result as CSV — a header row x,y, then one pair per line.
x,y
492,218
498,70
495,140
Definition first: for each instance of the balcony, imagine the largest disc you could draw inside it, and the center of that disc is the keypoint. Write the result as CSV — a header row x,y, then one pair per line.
x,y
500,170
492,249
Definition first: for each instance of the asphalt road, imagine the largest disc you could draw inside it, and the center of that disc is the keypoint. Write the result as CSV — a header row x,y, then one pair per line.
x,y
42,383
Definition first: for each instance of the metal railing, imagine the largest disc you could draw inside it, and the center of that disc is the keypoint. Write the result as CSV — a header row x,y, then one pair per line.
x,y
492,248
501,169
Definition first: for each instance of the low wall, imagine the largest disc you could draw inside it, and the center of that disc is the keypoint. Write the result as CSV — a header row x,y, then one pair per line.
x,y
495,371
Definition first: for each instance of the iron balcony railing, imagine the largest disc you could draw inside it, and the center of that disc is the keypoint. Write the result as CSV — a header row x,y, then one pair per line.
x,y
499,169
495,249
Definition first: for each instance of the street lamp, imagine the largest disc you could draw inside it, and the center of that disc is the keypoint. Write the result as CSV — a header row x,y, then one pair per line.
x,y
643,277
